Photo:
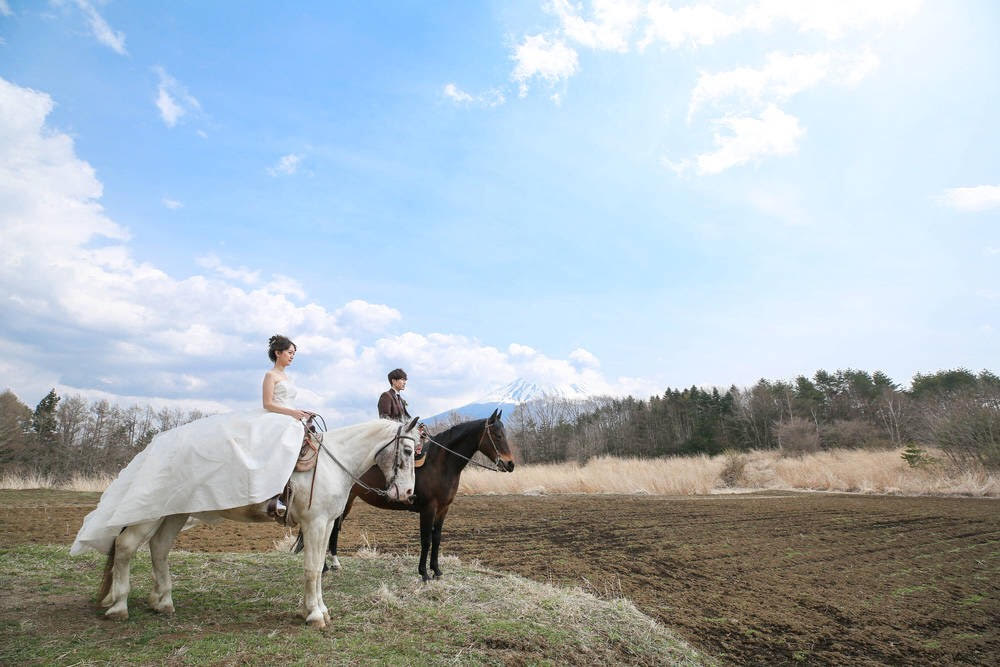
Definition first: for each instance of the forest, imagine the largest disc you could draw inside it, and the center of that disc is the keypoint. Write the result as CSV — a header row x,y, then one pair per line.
x,y
955,412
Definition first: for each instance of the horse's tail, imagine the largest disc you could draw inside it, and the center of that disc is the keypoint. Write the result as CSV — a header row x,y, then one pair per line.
x,y
109,565
297,547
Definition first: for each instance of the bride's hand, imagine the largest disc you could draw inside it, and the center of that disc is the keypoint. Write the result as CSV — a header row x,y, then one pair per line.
x,y
301,414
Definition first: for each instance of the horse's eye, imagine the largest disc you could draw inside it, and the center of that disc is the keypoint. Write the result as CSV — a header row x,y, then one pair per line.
x,y
408,450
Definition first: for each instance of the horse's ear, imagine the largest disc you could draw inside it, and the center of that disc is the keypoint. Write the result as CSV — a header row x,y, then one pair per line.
x,y
413,422
493,417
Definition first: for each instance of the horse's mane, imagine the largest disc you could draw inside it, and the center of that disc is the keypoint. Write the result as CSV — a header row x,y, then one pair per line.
x,y
454,434
368,428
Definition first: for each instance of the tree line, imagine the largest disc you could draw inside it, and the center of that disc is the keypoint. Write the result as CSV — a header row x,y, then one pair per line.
x,y
956,411
66,436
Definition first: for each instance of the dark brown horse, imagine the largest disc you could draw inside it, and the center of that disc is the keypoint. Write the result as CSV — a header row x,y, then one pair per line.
x,y
436,481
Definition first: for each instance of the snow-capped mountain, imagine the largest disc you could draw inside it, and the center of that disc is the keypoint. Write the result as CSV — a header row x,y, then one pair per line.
x,y
521,391
511,395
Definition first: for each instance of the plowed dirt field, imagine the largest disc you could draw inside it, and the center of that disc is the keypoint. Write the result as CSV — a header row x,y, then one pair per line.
x,y
767,578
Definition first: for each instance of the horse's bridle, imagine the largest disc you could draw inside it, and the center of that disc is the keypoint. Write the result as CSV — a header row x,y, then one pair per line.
x,y
395,461
486,432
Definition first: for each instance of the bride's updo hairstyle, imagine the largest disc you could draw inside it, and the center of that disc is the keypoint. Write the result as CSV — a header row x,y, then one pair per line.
x,y
278,343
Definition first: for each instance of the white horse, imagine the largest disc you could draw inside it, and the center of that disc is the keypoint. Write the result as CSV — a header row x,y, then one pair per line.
x,y
347,453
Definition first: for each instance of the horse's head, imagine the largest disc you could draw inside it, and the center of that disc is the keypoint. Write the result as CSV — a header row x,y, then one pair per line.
x,y
493,443
395,460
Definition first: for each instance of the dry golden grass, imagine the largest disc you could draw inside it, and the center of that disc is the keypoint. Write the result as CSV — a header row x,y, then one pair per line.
x,y
20,482
860,471
682,475
845,470
77,482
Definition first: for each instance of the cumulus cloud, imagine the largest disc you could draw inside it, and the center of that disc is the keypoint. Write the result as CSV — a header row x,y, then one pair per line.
x,y
781,77
545,58
114,40
103,323
286,165
971,199
582,357
241,274
612,25
744,139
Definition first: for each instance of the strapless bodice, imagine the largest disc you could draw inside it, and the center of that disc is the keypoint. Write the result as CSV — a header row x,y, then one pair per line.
x,y
284,393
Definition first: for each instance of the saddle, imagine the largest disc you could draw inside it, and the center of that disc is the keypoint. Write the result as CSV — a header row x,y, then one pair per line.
x,y
308,455
309,452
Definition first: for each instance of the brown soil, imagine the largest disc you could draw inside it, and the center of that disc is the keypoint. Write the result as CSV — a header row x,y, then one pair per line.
x,y
766,578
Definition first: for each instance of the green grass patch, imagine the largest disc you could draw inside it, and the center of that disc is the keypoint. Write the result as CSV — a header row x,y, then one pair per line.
x,y
970,600
242,608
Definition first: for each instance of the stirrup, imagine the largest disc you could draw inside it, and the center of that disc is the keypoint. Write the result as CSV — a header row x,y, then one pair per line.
x,y
277,510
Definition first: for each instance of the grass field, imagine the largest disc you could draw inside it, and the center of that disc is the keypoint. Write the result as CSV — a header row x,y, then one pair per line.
x,y
238,608
765,578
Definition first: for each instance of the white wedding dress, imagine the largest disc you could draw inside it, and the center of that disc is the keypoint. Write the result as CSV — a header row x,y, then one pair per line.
x,y
219,462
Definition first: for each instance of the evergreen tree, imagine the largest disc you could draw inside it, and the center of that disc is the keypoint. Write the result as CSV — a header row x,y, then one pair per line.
x,y
44,422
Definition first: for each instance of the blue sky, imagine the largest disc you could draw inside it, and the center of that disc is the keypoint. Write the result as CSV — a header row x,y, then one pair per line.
x,y
623,195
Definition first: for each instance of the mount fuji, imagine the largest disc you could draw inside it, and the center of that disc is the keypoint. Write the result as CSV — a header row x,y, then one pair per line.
x,y
509,396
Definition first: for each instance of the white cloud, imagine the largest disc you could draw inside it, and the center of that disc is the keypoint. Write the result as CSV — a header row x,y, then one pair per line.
x,y
696,25
363,316
538,56
832,19
115,40
129,331
782,77
5,8
582,357
172,98
287,165
172,204
242,274
702,24
614,21
971,199
491,98
281,284
750,138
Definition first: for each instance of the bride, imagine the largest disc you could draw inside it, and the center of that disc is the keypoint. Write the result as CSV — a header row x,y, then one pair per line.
x,y
218,462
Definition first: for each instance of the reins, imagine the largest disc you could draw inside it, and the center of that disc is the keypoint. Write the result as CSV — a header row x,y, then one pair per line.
x,y
395,465
486,431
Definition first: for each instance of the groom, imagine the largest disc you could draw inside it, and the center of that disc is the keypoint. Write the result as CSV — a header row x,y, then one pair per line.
x,y
392,406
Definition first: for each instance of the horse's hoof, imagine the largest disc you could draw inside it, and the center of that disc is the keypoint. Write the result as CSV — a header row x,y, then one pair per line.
x,y
437,575
164,608
335,563
116,614
326,616
316,622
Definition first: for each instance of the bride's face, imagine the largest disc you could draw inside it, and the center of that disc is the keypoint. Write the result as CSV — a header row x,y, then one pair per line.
x,y
285,357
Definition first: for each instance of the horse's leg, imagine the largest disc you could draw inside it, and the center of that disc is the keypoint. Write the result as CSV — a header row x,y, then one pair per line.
x,y
314,539
319,582
436,542
426,527
126,544
335,534
160,598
